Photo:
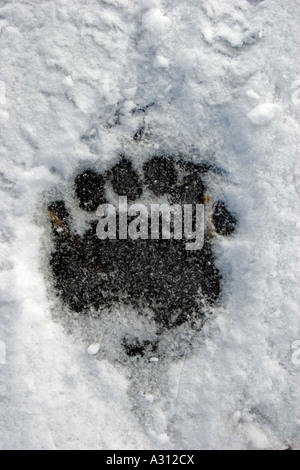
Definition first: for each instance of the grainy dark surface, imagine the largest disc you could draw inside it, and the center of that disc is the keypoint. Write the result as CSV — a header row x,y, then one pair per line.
x,y
225,222
160,175
89,187
125,180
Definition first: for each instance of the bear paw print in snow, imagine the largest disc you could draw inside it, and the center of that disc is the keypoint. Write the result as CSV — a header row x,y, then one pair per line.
x,y
149,244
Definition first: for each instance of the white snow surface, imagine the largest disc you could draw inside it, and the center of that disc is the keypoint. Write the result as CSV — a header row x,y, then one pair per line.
x,y
223,81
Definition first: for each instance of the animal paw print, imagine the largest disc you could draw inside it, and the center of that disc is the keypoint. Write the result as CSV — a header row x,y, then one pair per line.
x,y
159,275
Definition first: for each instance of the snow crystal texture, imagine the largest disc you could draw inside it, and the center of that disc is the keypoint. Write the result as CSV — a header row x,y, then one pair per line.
x,y
214,80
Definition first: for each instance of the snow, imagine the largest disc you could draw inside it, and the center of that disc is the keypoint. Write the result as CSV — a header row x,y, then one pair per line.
x,y
296,354
161,61
154,359
93,349
295,97
252,94
2,353
263,113
221,81
2,93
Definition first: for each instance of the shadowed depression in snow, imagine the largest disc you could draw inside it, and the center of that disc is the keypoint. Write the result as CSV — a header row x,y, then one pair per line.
x,y
157,274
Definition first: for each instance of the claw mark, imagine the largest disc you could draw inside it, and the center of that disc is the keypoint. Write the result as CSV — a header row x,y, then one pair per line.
x,y
75,242
59,222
